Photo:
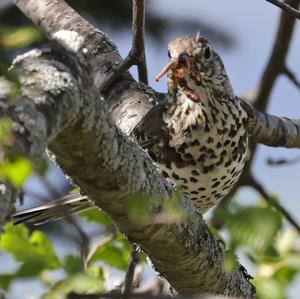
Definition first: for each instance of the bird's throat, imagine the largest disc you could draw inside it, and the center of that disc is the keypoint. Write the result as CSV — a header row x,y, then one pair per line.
x,y
188,91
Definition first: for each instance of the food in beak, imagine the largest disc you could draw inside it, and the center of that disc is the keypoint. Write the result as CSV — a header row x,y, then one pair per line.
x,y
178,67
172,63
177,64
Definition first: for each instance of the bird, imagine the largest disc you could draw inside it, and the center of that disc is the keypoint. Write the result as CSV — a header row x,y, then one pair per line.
x,y
198,135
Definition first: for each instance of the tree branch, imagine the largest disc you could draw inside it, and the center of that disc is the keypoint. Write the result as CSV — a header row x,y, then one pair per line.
x,y
138,47
134,259
276,131
292,11
66,112
276,62
283,161
291,76
136,55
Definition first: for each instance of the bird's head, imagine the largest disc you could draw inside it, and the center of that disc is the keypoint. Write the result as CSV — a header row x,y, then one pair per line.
x,y
195,65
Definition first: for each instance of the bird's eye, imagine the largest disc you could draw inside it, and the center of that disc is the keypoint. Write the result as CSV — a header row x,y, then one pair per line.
x,y
169,54
207,53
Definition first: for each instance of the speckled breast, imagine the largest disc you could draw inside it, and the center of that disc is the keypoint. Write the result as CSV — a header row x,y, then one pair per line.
x,y
206,151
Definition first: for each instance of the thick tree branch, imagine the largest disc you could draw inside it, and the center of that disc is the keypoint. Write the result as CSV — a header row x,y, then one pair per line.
x,y
276,131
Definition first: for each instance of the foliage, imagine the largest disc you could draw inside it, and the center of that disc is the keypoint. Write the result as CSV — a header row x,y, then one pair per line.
x,y
272,250
36,257
16,171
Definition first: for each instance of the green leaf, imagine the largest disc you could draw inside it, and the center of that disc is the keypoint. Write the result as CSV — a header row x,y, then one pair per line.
x,y
268,289
35,250
96,271
5,280
230,261
111,255
285,275
31,268
15,240
80,284
43,247
255,227
18,37
72,264
16,172
96,216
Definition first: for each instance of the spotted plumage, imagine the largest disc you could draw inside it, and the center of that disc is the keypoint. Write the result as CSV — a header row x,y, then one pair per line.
x,y
197,135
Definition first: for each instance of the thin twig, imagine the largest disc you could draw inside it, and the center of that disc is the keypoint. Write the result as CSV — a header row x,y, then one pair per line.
x,y
138,46
291,76
294,12
98,245
126,293
136,55
273,203
283,161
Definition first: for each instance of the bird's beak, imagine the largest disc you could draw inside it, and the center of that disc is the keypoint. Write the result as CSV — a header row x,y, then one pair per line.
x,y
173,63
177,64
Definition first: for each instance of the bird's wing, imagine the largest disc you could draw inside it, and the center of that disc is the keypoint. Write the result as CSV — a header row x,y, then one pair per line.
x,y
151,127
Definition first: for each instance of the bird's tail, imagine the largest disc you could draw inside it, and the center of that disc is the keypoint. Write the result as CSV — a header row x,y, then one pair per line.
x,y
53,210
